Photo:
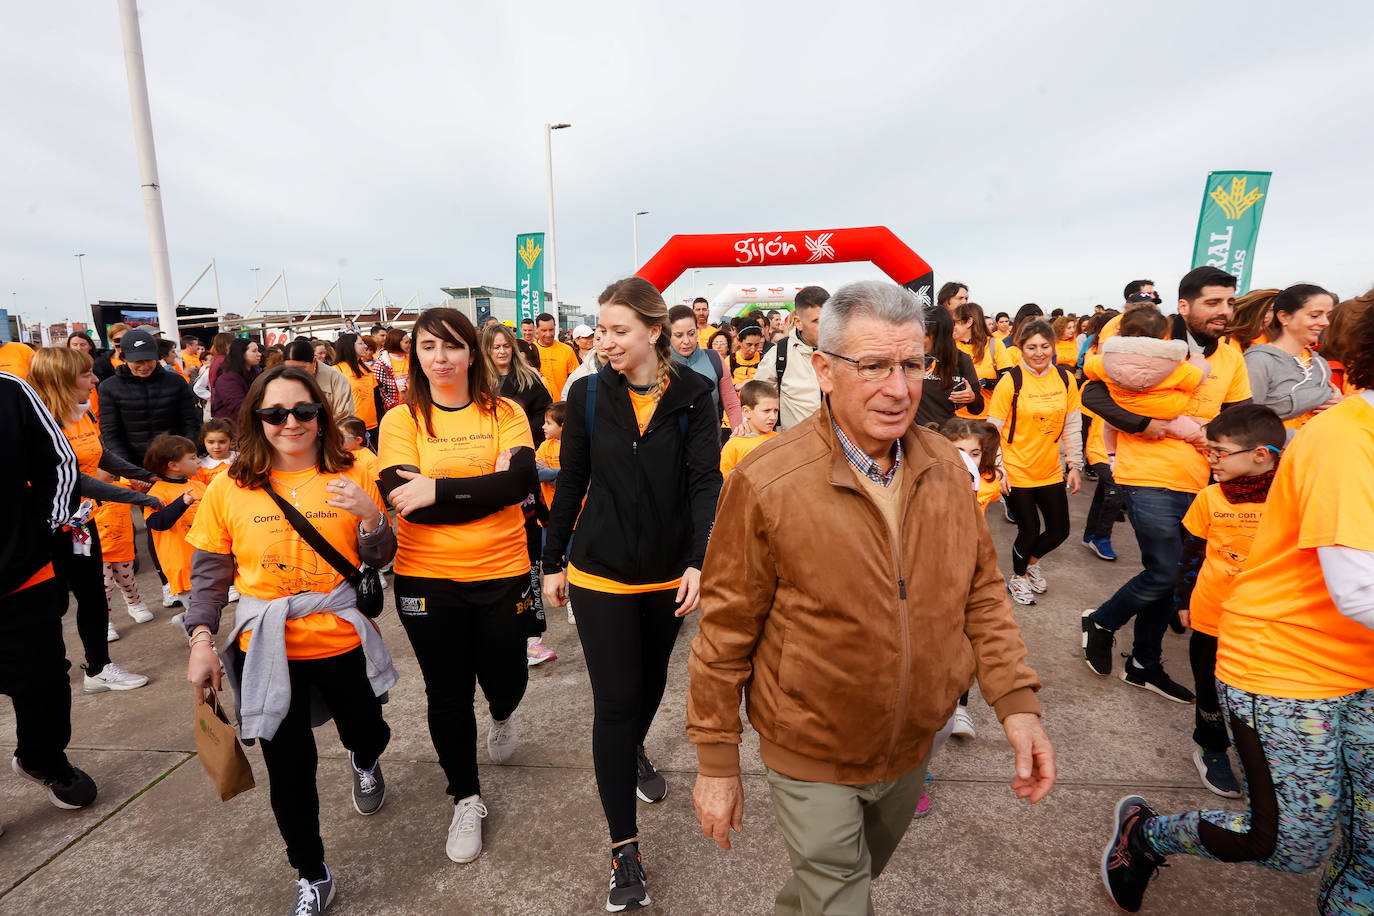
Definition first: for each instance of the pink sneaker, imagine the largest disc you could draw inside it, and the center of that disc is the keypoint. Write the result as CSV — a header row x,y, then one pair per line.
x,y
923,806
536,653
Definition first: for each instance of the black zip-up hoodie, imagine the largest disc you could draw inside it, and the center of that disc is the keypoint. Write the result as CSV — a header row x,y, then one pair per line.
x,y
651,498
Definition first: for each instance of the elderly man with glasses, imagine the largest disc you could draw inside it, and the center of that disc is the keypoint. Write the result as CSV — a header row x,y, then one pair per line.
x,y
852,588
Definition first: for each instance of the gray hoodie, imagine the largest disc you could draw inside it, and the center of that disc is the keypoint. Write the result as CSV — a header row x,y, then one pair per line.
x,y
1278,381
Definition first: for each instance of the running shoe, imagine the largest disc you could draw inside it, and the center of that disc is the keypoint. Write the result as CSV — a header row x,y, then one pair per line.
x,y
1155,679
465,830
1097,645
1036,577
71,790
1215,770
1102,547
1020,590
923,805
234,594
168,599
178,620
571,619
1006,511
111,634
651,786
369,788
1128,862
1176,624
963,724
536,653
501,739
140,613
628,880
312,898
112,677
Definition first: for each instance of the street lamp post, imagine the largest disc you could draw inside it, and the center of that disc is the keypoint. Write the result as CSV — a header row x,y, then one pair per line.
x,y
382,310
85,302
553,238
256,294
638,214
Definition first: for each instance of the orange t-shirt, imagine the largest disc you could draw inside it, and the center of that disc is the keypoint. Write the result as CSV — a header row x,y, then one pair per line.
x,y
550,452
271,561
556,363
1066,353
1032,459
1110,329
210,468
1169,399
644,406
1094,445
734,450
364,406
465,443
15,359
115,525
173,548
1173,464
1280,633
704,336
995,358
1229,531
367,460
83,434
989,492
400,369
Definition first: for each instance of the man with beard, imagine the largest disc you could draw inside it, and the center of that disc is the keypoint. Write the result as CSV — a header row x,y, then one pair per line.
x,y
1159,477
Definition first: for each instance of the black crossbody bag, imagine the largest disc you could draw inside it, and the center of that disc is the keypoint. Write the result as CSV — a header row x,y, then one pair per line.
x,y
366,582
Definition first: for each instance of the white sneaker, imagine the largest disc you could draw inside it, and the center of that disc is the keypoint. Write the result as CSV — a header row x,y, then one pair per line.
x,y
963,724
113,677
465,830
110,634
1036,577
233,595
1020,590
140,613
178,620
571,619
501,739
168,600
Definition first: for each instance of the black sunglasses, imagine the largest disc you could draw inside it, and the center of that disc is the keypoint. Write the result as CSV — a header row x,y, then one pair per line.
x,y
276,416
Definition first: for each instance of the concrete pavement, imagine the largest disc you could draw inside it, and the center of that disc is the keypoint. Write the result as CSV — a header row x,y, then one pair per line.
x,y
158,840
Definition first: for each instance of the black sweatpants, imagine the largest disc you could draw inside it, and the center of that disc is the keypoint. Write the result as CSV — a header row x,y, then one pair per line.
x,y
1106,504
1209,724
84,577
627,641
33,673
290,755
464,634
1029,505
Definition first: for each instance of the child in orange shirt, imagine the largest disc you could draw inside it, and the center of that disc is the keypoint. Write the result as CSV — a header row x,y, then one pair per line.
x,y
354,431
174,459
115,526
548,461
217,441
759,404
1244,444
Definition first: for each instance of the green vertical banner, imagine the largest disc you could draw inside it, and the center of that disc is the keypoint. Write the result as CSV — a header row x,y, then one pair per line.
x,y
1232,205
529,276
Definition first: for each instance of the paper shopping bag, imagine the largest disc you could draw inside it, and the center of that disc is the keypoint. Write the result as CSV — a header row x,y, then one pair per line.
x,y
219,748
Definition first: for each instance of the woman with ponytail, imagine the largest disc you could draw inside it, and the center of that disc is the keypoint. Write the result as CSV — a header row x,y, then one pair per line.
x,y
642,445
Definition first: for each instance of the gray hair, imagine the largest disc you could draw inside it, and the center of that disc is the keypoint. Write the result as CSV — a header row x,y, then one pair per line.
x,y
885,302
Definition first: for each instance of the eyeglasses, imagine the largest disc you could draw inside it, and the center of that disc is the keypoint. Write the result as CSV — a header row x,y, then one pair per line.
x,y
876,368
1214,454
276,416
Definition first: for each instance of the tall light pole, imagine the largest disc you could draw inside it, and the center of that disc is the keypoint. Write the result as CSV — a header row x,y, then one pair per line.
x,y
257,294
638,214
695,271
553,238
382,310
147,168
85,302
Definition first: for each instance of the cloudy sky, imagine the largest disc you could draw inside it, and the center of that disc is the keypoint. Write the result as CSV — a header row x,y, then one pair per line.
x,y
1039,152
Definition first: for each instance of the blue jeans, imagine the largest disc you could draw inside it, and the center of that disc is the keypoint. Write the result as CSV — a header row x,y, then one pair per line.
x,y
1156,515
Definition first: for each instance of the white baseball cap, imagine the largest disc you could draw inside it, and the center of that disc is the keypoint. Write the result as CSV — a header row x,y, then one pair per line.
x,y
583,331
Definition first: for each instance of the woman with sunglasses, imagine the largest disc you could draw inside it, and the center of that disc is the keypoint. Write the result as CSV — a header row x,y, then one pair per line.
x,y
457,462
295,613
1286,374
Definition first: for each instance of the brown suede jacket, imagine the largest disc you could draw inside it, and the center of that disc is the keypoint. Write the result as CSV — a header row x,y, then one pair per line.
x,y
854,650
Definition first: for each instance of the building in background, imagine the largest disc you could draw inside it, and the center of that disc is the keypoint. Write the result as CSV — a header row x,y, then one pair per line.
x,y
481,302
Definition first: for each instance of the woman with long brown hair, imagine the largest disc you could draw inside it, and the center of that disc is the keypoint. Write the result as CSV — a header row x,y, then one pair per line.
x,y
642,445
352,351
457,462
1251,319
297,633
63,379
989,355
392,367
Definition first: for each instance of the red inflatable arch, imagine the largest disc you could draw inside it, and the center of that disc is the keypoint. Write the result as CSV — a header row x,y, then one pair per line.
x,y
767,249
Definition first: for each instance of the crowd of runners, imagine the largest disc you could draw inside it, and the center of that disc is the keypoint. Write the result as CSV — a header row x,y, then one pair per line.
x,y
769,471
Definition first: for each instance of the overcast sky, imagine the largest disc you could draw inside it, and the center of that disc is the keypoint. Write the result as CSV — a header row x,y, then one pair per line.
x,y
1039,152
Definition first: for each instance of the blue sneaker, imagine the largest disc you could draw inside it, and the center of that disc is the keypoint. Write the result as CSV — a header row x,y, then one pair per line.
x,y
1102,547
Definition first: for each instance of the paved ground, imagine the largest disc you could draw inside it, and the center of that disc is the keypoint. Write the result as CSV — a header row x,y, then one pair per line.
x,y
158,840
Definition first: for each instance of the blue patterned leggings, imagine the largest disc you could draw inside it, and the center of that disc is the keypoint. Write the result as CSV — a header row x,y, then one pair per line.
x,y
1308,768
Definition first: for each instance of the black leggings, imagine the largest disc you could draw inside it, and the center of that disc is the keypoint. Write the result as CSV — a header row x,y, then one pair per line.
x,y
465,633
84,577
291,757
1106,504
1209,724
627,641
1050,501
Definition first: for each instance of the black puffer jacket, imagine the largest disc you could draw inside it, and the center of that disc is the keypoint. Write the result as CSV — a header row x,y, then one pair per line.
x,y
535,399
134,411
651,497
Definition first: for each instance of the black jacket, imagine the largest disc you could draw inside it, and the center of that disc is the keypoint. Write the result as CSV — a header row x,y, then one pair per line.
x,y
535,399
651,498
936,407
133,411
40,474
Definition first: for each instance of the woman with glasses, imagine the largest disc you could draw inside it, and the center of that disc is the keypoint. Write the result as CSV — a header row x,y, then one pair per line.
x,y
951,384
299,651
1286,374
